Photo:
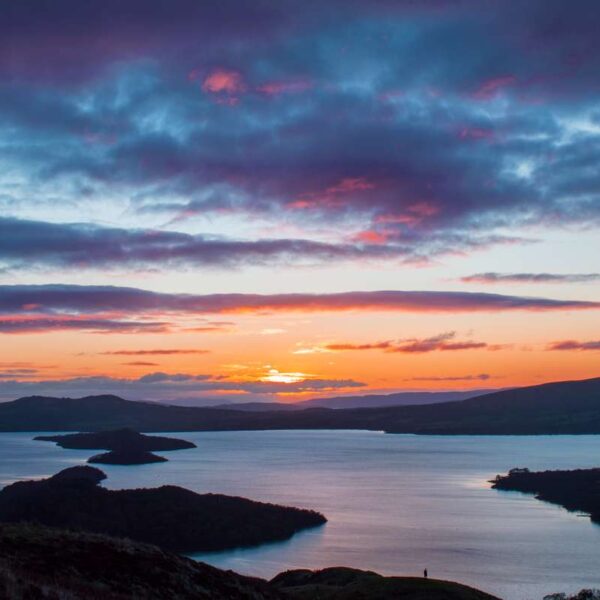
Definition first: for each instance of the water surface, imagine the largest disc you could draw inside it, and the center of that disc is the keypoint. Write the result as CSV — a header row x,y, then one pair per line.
x,y
396,503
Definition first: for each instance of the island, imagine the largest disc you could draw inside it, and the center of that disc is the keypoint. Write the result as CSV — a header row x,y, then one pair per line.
x,y
126,457
42,562
576,490
127,446
171,517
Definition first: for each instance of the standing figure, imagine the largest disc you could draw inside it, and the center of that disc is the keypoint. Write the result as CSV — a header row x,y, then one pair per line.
x,y
425,573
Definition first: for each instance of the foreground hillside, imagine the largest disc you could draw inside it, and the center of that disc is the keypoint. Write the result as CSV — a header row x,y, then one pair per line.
x,y
50,564
340,583
563,407
37,562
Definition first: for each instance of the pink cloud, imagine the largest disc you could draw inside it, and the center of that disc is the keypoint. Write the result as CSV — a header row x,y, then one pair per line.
x,y
350,184
223,80
441,342
370,236
333,195
411,215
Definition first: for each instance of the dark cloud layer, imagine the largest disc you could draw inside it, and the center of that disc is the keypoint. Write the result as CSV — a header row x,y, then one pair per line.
x,y
418,128
87,246
134,302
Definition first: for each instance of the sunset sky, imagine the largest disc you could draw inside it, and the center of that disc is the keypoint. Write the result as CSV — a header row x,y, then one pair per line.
x,y
275,200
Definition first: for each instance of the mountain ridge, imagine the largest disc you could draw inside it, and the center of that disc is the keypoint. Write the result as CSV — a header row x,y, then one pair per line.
x,y
567,407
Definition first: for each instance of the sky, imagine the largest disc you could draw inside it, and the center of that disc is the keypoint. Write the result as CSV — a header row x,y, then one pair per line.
x,y
233,201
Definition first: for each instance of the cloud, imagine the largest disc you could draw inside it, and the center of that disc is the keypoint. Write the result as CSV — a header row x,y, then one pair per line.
x,y
64,300
94,247
575,345
478,377
140,363
161,386
20,373
441,342
24,325
376,346
531,278
155,352
435,135
221,80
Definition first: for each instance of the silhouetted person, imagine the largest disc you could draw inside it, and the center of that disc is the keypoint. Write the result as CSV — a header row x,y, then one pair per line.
x,y
425,573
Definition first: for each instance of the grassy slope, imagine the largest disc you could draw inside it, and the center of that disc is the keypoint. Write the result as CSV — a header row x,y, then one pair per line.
x,y
43,563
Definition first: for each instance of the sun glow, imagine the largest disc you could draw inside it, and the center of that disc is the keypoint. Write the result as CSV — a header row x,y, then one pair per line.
x,y
275,376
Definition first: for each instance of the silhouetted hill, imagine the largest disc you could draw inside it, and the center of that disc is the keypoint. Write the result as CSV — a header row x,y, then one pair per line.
x,y
342,583
169,516
563,407
577,490
44,563
259,406
381,400
366,401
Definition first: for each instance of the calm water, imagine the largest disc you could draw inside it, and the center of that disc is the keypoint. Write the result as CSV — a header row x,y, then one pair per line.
x,y
395,503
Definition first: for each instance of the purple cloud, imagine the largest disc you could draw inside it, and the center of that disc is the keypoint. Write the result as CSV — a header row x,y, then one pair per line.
x,y
449,123
531,278
41,324
442,343
50,299
478,377
575,345
90,246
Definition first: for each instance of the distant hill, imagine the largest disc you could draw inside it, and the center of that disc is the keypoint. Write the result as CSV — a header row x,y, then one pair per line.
x,y
366,401
397,399
563,407
259,406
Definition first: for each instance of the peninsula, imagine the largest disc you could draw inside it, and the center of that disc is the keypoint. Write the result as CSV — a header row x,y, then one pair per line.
x,y
577,490
171,517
